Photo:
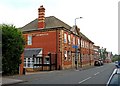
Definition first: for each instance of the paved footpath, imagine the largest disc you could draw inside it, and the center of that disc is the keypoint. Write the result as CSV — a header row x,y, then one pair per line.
x,y
6,81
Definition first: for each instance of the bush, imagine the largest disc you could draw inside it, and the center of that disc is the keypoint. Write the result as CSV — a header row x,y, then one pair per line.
x,y
12,48
116,58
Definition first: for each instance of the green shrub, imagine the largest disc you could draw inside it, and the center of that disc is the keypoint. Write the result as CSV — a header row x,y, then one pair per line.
x,y
12,48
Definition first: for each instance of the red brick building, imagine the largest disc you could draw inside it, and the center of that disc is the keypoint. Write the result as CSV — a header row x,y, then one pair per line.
x,y
50,35
96,52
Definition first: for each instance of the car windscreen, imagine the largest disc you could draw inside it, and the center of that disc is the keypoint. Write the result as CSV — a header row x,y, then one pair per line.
x,y
115,80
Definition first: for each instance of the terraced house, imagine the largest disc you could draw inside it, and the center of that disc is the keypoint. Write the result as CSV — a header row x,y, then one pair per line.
x,y
52,44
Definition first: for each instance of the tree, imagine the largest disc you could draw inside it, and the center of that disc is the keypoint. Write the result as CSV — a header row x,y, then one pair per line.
x,y
12,48
103,53
116,58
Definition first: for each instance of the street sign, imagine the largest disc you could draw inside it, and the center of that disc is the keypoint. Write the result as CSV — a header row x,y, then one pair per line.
x,y
75,46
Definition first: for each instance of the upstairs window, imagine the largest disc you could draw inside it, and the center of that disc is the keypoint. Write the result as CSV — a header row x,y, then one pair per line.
x,y
29,42
74,40
69,39
78,42
65,38
83,43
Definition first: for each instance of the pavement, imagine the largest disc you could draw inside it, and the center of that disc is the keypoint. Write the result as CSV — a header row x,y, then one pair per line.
x,y
7,80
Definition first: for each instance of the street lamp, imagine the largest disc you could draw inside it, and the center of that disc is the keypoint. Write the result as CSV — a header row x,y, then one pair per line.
x,y
77,18
76,53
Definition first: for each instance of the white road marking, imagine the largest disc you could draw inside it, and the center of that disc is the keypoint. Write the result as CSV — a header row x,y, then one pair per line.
x,y
96,73
84,80
76,70
100,67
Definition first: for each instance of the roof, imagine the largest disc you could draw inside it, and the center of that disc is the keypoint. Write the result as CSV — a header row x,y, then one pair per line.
x,y
50,22
85,37
29,52
96,46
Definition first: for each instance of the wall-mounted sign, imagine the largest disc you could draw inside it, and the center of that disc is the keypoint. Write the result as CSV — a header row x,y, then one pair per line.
x,y
75,46
40,34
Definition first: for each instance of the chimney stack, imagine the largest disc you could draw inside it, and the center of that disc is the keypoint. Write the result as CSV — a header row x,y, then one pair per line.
x,y
41,17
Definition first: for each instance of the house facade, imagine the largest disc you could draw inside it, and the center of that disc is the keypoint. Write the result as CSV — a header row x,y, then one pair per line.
x,y
96,52
51,42
108,57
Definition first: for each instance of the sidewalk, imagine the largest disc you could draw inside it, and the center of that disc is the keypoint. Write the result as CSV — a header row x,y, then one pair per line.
x,y
9,81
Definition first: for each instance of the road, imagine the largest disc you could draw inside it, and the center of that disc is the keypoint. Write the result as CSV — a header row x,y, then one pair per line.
x,y
96,75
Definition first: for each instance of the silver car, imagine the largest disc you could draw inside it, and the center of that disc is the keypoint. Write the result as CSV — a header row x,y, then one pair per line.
x,y
114,79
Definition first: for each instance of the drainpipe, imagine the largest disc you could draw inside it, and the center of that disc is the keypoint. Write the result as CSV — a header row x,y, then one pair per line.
x,y
80,53
56,48
89,54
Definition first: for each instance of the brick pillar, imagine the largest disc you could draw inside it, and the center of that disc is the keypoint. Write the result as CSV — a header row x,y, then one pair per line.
x,y
21,65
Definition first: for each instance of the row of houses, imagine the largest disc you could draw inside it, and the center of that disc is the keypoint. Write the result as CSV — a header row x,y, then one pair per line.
x,y
51,44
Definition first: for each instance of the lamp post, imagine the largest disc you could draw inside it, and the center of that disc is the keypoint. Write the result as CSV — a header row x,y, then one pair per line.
x,y
76,52
76,19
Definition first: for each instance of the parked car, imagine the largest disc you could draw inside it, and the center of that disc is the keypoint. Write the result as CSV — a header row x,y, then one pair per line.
x,y
117,64
114,79
101,61
98,63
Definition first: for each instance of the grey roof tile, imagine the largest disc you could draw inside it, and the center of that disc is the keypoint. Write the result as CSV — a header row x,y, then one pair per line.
x,y
49,23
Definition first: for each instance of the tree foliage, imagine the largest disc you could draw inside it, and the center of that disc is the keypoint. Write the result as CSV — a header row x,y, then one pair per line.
x,y
116,58
103,53
12,48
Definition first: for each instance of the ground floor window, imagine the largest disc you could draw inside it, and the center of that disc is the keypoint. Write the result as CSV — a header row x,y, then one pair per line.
x,y
47,60
65,55
37,60
69,55
29,62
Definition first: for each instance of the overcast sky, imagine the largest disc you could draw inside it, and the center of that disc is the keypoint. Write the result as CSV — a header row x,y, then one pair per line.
x,y
99,23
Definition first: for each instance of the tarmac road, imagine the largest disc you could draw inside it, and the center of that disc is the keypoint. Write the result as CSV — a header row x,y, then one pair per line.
x,y
95,75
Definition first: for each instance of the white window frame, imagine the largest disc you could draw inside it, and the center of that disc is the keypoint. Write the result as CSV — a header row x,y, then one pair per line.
x,y
69,55
29,41
74,40
65,55
83,44
78,42
37,61
30,63
65,38
69,39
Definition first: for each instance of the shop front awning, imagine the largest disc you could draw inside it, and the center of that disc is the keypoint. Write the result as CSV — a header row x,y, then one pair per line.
x,y
30,52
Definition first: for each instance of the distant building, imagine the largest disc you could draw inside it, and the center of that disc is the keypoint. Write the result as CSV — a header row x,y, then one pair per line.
x,y
108,57
96,52
53,44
